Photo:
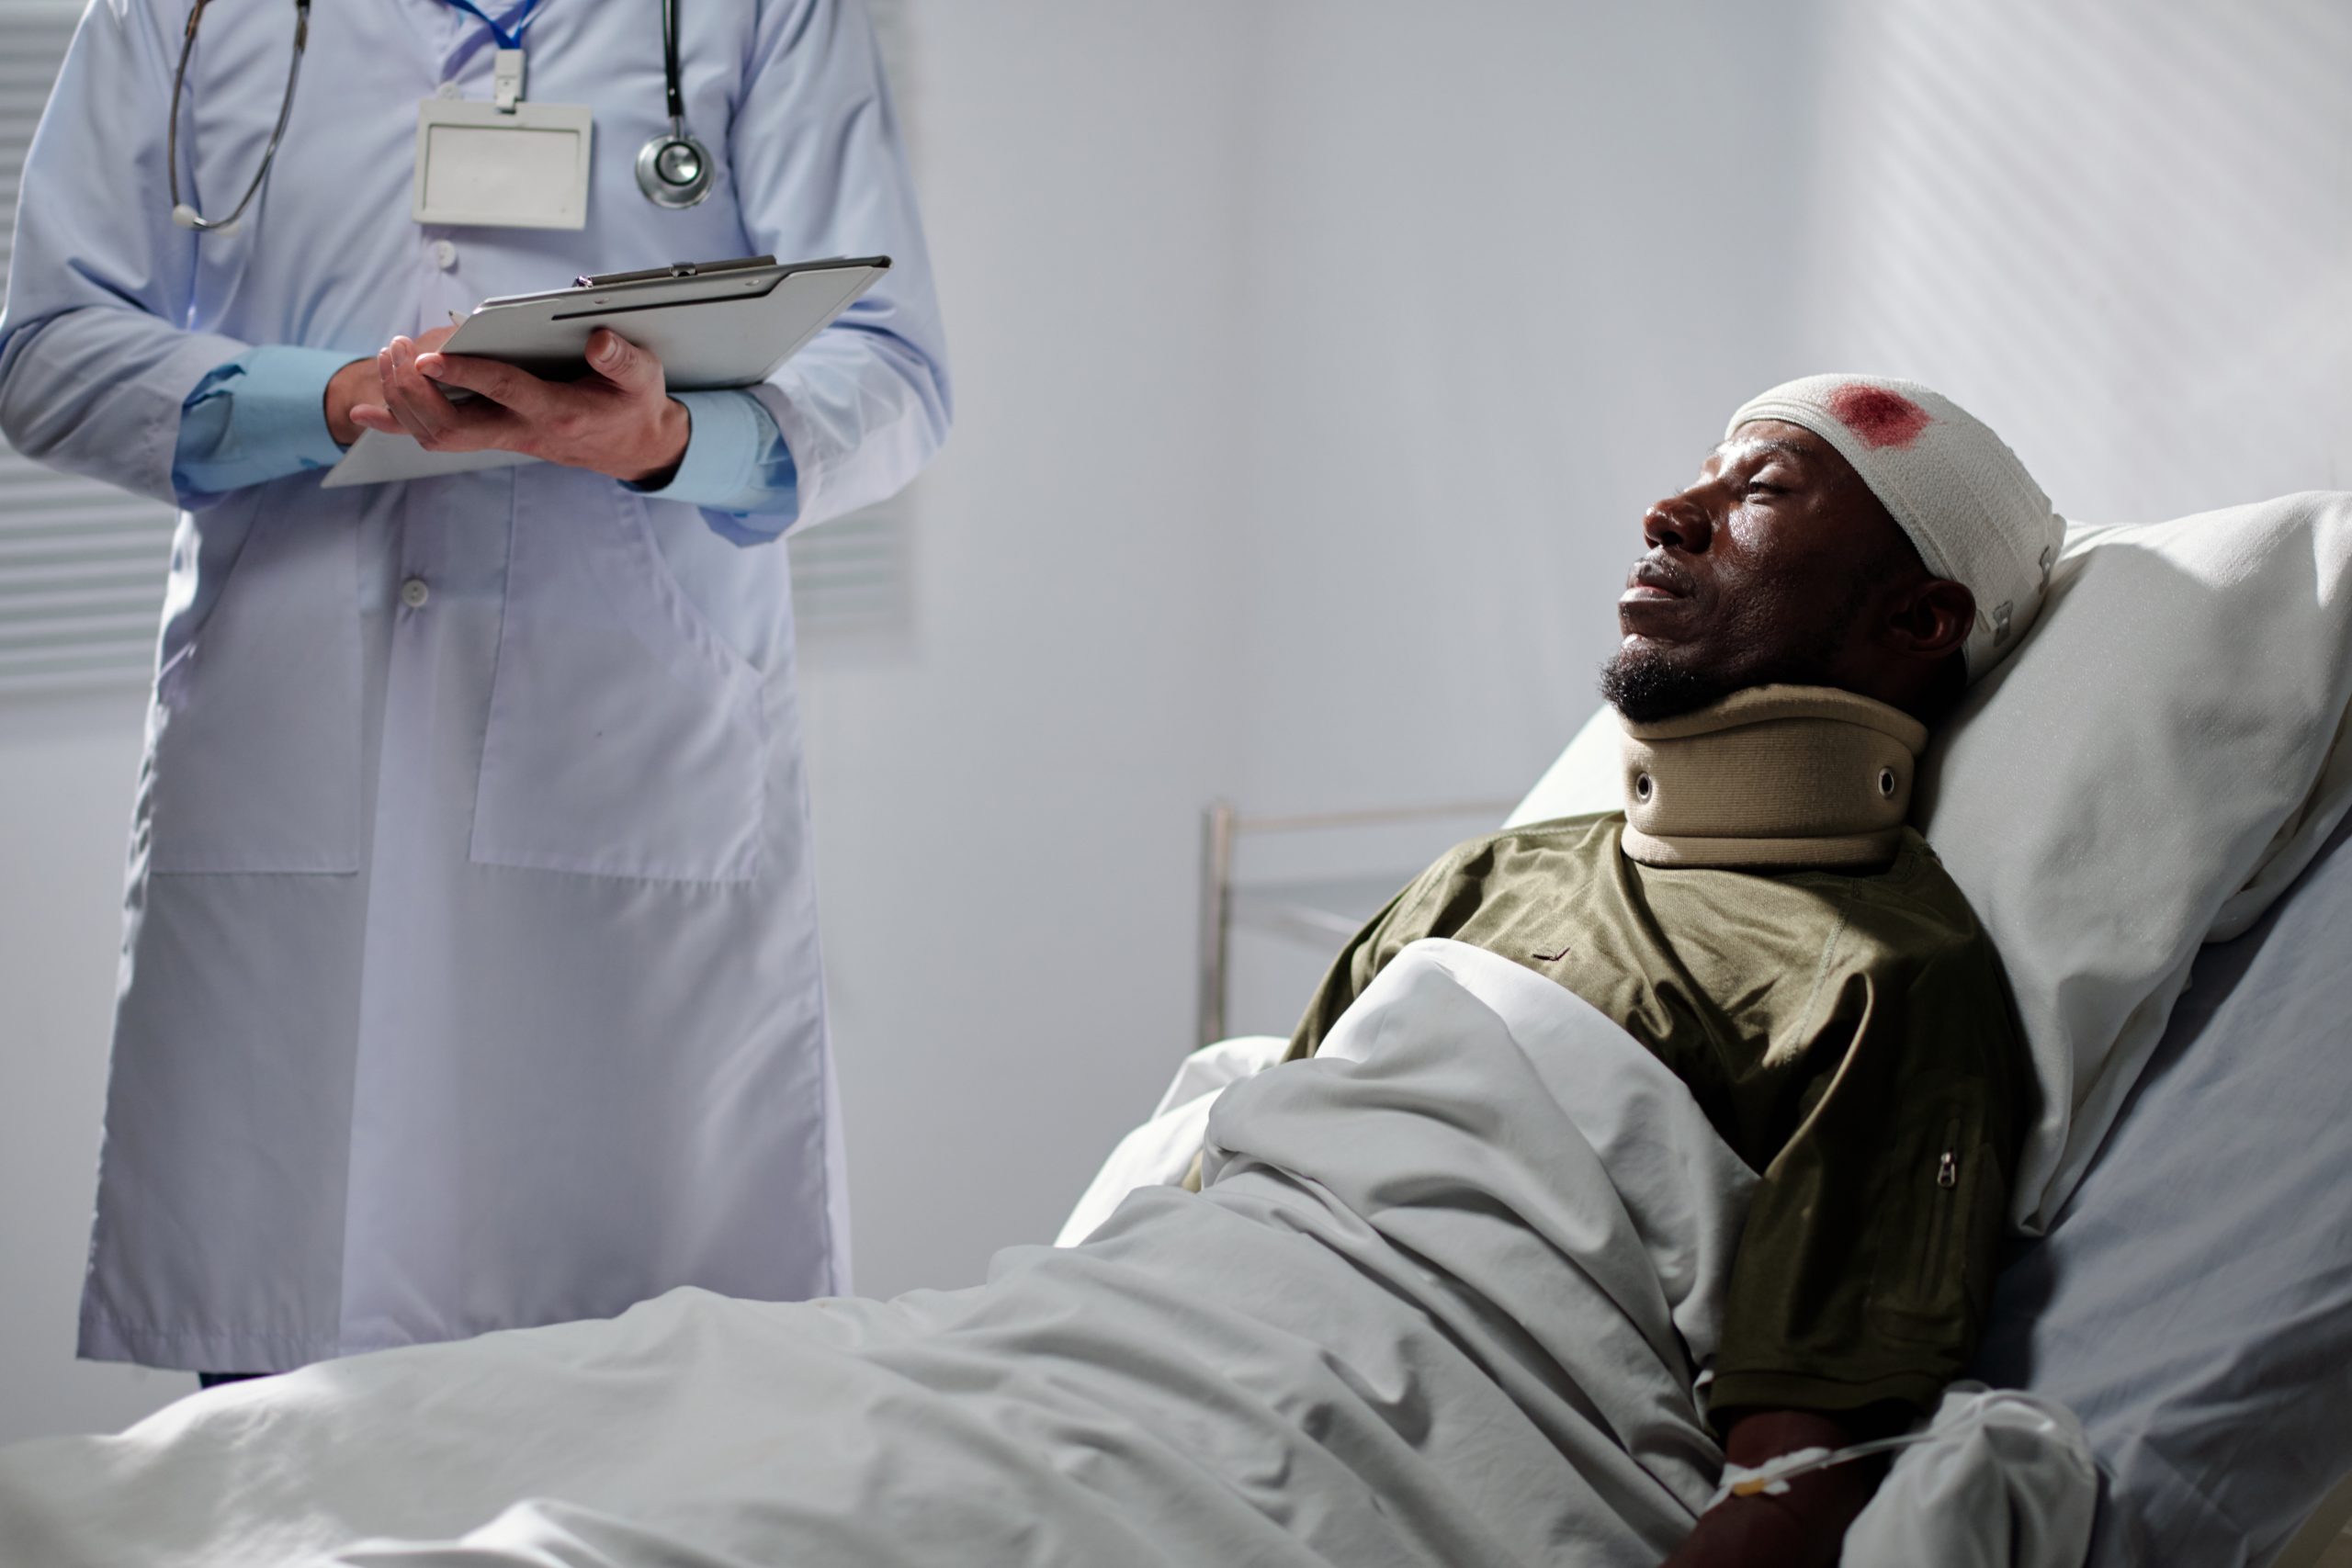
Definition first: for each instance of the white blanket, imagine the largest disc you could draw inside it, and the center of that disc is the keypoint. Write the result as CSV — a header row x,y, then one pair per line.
x,y
1442,1303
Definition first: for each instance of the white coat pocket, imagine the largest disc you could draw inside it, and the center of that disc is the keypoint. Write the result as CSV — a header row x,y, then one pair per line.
x,y
253,748
624,739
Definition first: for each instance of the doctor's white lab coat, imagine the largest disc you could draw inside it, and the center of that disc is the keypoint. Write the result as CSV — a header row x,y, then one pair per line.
x,y
471,972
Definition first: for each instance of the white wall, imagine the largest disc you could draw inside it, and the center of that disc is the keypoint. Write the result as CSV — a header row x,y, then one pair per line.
x,y
1005,814
1522,260
2119,232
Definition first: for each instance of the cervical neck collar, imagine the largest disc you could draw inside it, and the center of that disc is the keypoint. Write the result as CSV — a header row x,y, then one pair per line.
x,y
1772,776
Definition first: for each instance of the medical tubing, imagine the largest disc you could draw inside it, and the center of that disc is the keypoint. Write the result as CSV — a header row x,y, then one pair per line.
x,y
508,34
1773,1475
1857,1450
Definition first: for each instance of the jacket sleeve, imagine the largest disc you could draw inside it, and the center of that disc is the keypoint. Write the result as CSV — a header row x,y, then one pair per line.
x,y
259,417
737,468
94,363
819,170
1867,1258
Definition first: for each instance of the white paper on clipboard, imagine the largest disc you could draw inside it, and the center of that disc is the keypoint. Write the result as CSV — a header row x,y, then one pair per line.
x,y
712,325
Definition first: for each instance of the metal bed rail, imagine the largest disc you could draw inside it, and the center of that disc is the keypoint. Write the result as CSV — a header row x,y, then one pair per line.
x,y
1293,909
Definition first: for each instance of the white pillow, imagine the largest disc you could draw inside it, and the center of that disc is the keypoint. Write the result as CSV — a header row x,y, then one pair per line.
x,y
1160,1152
1588,776
2146,774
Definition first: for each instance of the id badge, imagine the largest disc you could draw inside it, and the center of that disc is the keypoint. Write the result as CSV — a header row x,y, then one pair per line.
x,y
482,166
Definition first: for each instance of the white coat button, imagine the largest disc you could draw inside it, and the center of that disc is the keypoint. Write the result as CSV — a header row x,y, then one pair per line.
x,y
445,91
414,593
445,255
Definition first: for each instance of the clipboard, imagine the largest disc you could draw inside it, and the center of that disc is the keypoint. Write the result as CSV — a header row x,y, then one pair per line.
x,y
712,324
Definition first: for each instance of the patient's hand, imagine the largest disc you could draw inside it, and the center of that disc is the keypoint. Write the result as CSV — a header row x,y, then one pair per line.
x,y
1801,1528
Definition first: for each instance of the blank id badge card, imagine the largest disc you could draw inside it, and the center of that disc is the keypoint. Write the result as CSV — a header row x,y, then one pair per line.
x,y
506,164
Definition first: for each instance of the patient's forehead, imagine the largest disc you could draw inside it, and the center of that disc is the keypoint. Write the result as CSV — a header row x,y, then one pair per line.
x,y
1762,438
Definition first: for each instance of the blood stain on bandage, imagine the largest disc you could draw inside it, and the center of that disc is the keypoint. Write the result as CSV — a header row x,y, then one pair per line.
x,y
1879,417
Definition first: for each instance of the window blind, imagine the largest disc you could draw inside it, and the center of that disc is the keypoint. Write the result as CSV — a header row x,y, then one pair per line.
x,y
81,564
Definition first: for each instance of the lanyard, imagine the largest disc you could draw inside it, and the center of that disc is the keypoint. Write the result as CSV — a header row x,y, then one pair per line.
x,y
507,37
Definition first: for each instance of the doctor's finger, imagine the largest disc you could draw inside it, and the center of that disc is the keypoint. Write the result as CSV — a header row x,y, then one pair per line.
x,y
623,363
411,398
469,425
397,407
409,377
436,422
503,384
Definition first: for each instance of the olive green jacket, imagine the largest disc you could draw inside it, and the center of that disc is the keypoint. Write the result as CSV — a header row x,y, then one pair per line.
x,y
1851,1035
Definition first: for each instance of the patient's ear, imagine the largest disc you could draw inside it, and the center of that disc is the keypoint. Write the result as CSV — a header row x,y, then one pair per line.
x,y
1931,619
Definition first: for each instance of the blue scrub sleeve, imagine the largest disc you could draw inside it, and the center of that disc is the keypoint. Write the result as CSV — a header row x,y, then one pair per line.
x,y
259,417
737,469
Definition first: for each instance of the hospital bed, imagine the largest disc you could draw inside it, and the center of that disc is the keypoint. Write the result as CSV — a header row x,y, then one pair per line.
x,y
1325,899
2159,1359
2189,1297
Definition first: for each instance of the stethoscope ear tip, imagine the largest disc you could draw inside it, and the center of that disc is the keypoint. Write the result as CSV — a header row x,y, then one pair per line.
x,y
187,218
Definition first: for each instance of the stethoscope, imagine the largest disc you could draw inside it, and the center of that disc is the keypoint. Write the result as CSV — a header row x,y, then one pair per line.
x,y
674,169
185,216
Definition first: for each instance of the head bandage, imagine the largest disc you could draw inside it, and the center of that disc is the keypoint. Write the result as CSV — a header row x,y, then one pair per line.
x,y
1954,487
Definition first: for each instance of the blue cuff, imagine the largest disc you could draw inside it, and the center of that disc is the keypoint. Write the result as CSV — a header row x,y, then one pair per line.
x,y
737,468
259,417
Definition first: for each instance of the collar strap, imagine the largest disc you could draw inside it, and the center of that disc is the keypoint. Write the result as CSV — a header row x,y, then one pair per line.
x,y
1783,776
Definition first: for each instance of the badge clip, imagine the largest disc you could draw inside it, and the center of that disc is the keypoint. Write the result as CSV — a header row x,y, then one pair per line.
x,y
506,80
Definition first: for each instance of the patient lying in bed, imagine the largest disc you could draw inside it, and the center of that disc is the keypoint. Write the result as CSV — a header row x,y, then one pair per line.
x,y
1726,1085
1761,920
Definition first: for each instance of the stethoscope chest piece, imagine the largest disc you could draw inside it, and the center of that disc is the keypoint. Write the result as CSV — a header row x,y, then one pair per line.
x,y
674,170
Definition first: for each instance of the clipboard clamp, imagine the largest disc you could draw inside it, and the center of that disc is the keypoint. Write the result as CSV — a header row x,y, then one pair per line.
x,y
674,271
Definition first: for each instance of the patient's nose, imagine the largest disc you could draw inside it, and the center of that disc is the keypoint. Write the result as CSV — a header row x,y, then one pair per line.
x,y
1678,520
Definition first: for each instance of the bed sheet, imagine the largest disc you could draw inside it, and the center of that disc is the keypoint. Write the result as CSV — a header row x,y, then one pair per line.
x,y
2193,1301
1431,1308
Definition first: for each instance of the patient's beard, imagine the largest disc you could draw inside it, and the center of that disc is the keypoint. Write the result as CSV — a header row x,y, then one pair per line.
x,y
1646,686
1649,684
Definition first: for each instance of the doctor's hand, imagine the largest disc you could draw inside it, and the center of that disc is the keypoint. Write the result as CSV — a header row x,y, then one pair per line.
x,y
359,382
617,419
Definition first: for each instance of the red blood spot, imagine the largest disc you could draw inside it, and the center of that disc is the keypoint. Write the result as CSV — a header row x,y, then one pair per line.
x,y
1879,417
